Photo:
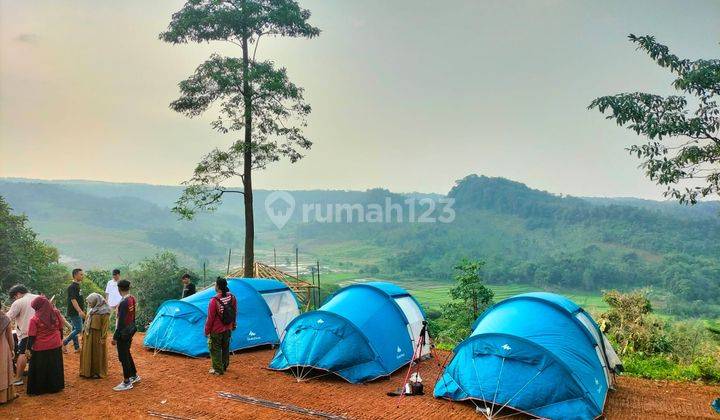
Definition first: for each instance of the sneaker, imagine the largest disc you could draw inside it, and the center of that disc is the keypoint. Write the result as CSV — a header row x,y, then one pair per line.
x,y
19,382
123,386
214,372
135,379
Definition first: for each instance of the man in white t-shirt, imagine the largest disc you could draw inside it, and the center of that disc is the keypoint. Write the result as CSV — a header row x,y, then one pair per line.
x,y
20,313
112,295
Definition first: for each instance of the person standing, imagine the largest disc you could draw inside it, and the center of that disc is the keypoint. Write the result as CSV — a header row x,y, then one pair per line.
x,y
21,312
222,311
7,379
75,309
112,296
122,339
46,373
93,356
188,286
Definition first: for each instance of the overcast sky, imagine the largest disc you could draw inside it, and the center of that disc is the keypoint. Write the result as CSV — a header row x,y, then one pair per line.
x,y
409,95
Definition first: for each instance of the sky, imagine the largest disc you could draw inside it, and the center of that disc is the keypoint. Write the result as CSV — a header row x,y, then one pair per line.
x,y
409,95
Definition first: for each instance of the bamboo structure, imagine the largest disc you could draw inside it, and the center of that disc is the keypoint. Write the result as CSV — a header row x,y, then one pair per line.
x,y
302,289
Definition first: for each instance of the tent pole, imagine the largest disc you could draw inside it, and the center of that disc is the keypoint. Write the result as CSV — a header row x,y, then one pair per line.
x,y
319,301
228,264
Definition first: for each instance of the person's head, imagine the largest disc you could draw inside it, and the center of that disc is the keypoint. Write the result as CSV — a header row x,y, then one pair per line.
x,y
221,286
123,287
185,278
78,274
44,310
94,299
116,275
17,291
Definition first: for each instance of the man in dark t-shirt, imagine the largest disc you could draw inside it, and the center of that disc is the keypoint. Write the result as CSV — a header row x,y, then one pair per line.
x,y
124,332
75,309
188,286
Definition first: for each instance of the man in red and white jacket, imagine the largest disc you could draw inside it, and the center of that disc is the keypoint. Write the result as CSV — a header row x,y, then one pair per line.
x,y
221,320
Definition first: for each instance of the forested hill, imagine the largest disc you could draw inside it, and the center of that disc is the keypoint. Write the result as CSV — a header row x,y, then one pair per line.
x,y
525,235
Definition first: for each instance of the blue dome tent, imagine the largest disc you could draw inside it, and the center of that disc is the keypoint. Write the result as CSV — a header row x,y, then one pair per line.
x,y
535,353
362,332
265,307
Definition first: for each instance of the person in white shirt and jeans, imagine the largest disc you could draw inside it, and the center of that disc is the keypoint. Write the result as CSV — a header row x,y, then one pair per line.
x,y
112,294
20,313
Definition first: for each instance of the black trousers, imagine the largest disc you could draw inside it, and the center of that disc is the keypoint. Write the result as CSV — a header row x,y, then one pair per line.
x,y
126,360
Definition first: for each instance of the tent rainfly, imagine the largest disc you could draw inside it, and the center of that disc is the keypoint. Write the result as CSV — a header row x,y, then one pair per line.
x,y
535,353
362,332
265,308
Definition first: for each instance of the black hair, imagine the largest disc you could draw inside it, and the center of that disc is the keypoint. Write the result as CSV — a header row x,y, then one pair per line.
x,y
123,285
116,271
75,271
18,288
185,276
221,284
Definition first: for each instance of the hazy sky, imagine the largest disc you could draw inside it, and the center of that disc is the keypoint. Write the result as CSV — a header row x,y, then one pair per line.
x,y
409,95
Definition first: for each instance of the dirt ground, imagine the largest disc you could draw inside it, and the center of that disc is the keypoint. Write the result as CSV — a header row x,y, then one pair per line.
x,y
180,386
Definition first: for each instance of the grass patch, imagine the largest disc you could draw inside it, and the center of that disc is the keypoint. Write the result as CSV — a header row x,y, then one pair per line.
x,y
660,368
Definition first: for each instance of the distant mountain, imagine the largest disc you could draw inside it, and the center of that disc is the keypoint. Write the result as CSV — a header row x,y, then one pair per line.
x,y
525,235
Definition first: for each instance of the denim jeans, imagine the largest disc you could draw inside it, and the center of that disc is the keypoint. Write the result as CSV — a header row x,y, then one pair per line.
x,y
77,325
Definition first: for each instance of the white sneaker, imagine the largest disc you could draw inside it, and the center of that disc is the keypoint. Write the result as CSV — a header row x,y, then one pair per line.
x,y
135,379
123,386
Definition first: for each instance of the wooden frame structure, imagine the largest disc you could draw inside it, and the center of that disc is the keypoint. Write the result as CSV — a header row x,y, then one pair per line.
x,y
303,290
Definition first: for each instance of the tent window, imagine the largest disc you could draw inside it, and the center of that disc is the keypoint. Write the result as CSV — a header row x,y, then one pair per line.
x,y
284,309
415,319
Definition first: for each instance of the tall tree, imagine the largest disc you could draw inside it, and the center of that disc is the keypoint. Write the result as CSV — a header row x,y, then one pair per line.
x,y
255,100
682,147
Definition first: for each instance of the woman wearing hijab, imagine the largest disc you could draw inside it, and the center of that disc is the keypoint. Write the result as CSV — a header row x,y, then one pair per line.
x,y
7,389
46,373
93,356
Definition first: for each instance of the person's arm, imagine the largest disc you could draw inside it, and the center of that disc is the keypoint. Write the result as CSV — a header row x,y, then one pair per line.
x,y
212,308
14,311
107,291
32,332
234,304
104,324
74,300
122,313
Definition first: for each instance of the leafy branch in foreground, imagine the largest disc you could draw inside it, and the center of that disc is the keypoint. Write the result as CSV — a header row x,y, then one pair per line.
x,y
683,147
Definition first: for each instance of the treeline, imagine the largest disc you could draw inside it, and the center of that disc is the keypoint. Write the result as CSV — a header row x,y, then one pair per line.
x,y
26,260
535,238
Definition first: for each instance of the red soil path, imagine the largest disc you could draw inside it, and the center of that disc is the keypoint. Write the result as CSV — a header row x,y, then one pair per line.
x,y
181,386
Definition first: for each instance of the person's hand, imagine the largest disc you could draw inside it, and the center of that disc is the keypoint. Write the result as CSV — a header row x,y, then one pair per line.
x,y
82,314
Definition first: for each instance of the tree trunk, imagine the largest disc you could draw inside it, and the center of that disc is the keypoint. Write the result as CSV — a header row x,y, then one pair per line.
x,y
247,170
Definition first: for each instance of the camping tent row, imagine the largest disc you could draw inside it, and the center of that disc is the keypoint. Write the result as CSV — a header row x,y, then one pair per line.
x,y
265,307
535,353
362,332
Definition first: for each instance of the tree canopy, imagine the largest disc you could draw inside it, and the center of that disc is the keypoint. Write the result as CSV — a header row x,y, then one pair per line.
x,y
682,150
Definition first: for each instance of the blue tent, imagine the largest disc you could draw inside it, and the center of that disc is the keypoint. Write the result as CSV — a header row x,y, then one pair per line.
x,y
265,307
537,353
362,332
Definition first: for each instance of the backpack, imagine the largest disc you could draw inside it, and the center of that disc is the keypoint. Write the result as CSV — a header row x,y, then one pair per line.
x,y
227,315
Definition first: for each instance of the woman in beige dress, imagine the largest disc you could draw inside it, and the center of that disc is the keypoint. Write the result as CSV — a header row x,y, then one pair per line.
x,y
7,377
93,356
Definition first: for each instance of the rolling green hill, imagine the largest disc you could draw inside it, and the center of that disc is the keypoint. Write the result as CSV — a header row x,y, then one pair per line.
x,y
530,239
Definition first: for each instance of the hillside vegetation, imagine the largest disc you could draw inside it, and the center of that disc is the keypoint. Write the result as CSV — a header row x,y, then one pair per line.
x,y
527,237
